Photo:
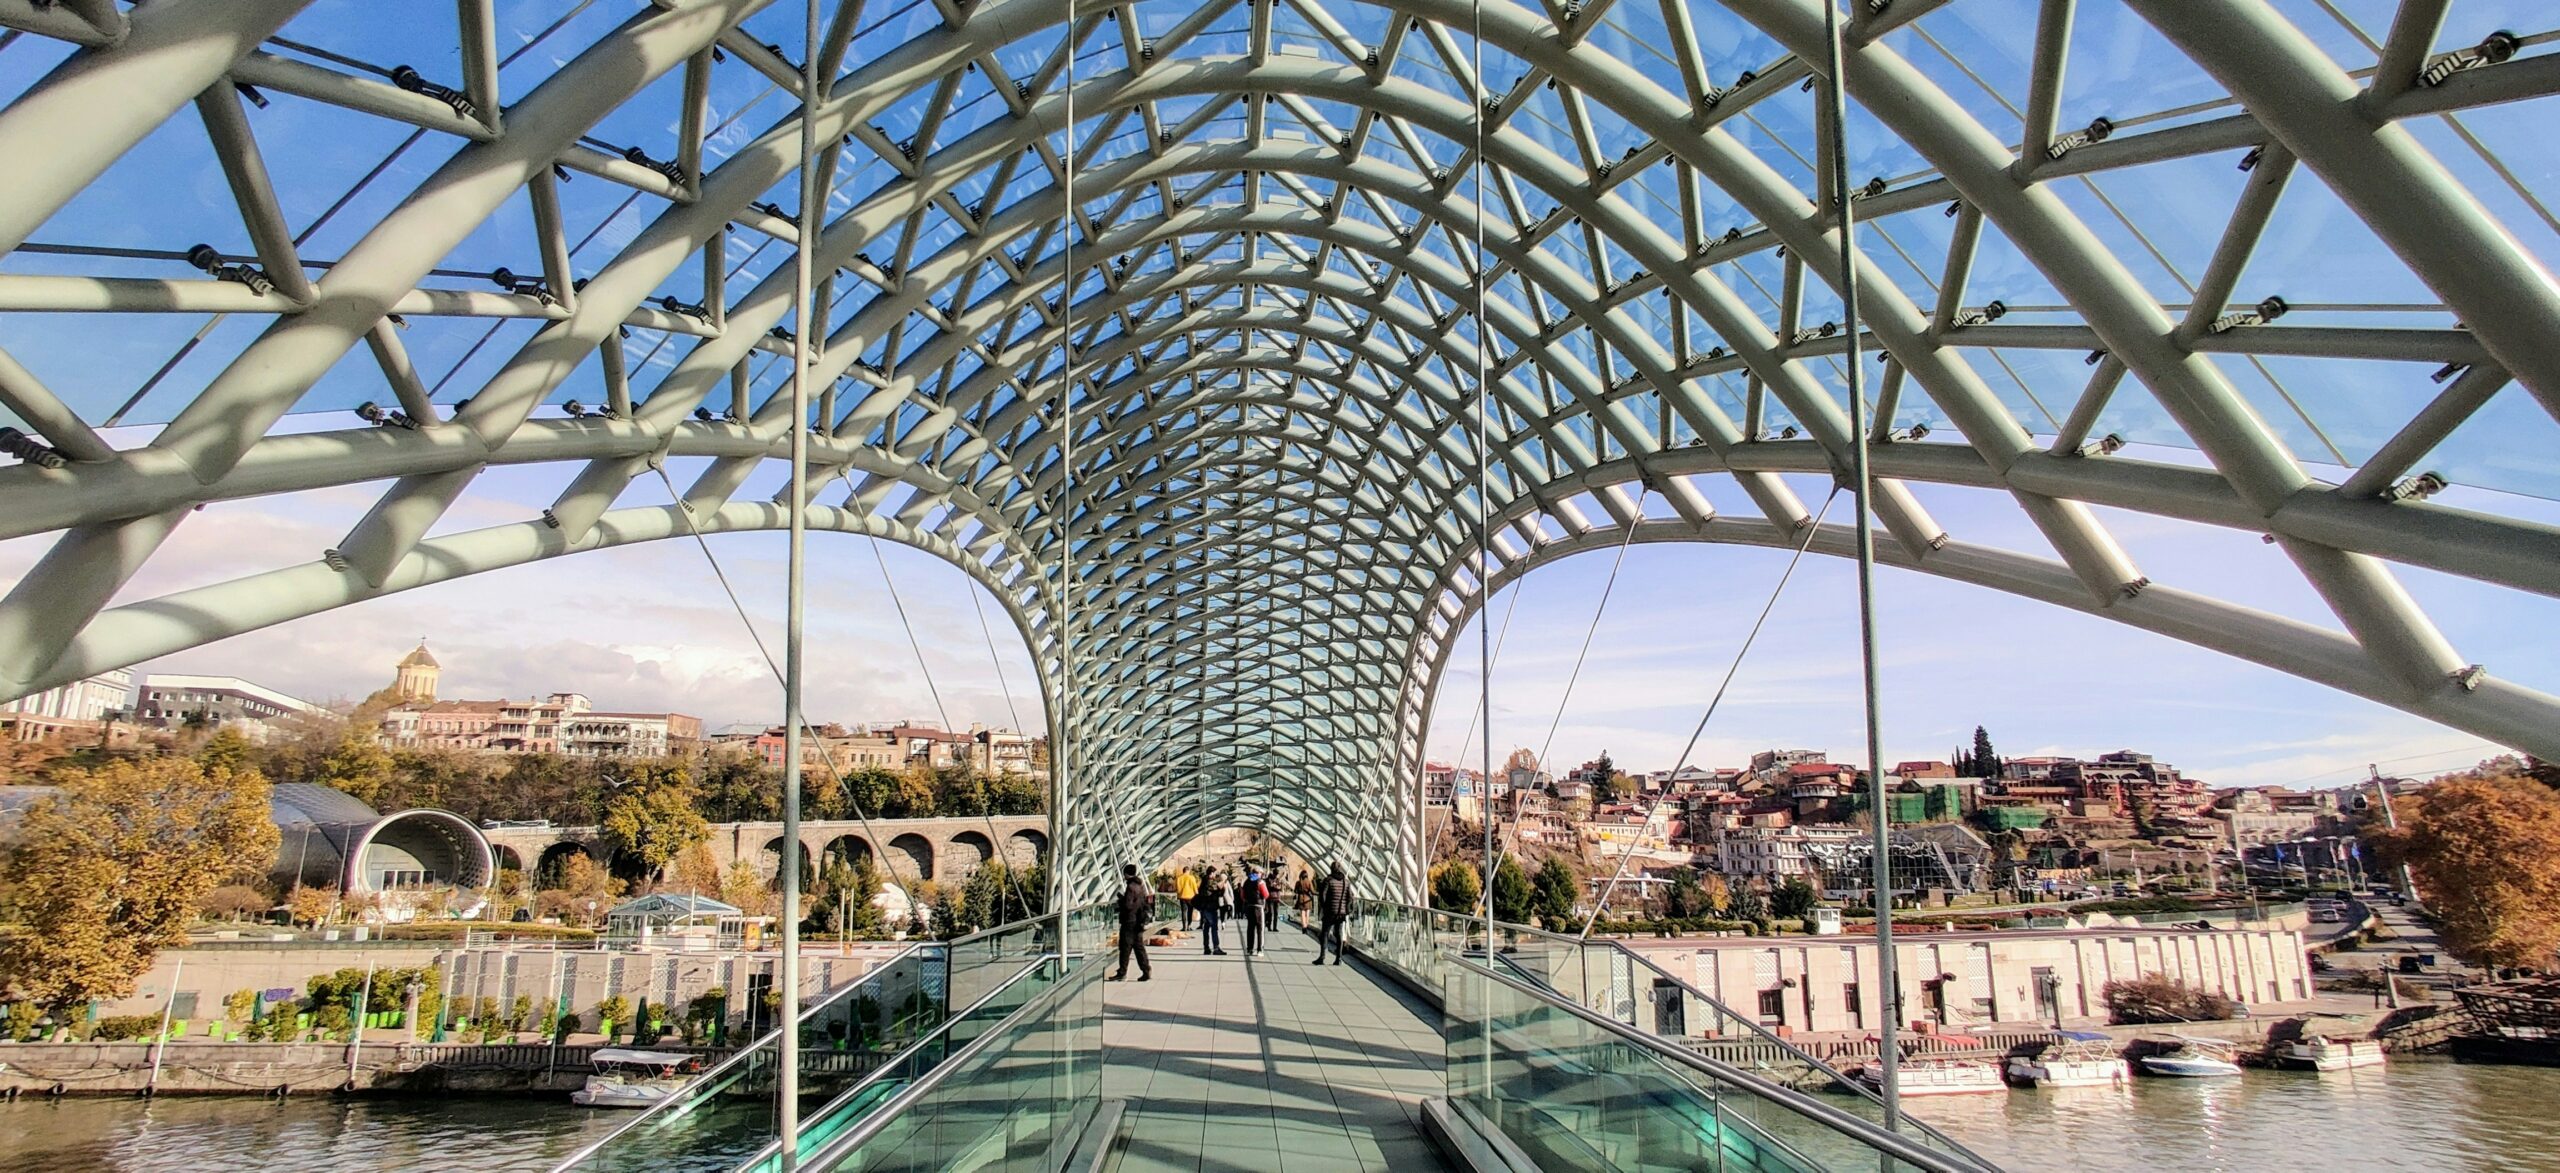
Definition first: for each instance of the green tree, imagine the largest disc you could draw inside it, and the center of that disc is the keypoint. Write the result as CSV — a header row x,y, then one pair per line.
x,y
959,791
1748,904
1513,898
1557,893
1683,899
737,788
649,824
1980,761
1456,886
113,866
1795,898
1014,793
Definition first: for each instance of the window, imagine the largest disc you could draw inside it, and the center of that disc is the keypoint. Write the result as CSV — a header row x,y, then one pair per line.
x,y
1773,1006
1849,1000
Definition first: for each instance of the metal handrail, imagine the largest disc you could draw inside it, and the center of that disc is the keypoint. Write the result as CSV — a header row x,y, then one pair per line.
x,y
882,1072
741,1055
1758,1032
1892,1144
843,1145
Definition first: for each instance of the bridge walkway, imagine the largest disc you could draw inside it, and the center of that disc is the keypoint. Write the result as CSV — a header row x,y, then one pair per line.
x,y
1272,1065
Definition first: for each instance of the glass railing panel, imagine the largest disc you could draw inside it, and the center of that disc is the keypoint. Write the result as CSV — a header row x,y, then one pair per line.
x,y
1628,988
1013,1099
731,1110
1574,1093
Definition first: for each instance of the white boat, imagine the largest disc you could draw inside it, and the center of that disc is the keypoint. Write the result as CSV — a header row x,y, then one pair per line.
x,y
2193,1058
1920,1074
2076,1059
2321,1053
1936,1077
626,1078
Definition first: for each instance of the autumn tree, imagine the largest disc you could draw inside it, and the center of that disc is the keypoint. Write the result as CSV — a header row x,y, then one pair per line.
x,y
1714,895
227,750
649,824
233,901
312,906
1456,887
749,891
584,882
113,867
697,871
2486,852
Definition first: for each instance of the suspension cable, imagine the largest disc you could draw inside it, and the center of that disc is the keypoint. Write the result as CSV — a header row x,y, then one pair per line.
x,y
684,510
995,840
994,658
1810,531
1597,611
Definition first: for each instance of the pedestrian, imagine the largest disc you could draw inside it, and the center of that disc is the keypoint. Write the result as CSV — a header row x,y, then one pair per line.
x,y
1186,885
1307,899
1273,888
1251,895
1333,904
1136,901
1211,897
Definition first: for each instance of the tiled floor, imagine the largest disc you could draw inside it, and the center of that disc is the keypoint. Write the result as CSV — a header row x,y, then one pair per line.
x,y
1269,1066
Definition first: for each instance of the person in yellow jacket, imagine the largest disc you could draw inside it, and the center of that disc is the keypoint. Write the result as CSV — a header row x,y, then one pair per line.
x,y
1186,885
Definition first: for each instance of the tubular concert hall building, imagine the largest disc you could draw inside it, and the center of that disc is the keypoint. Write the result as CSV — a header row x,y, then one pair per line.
x,y
1200,334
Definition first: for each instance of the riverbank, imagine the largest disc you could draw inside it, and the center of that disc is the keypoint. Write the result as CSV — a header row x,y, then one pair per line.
x,y
41,1070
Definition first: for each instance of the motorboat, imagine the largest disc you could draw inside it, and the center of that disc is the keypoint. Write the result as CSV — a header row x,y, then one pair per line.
x,y
2322,1053
2075,1058
1921,1074
2193,1058
628,1078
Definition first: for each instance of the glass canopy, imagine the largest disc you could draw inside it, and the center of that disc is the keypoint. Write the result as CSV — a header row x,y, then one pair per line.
x,y
1166,320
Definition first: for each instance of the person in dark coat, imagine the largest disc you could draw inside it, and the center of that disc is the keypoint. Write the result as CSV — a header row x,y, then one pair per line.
x,y
1135,903
1333,907
1251,895
1211,901
1275,889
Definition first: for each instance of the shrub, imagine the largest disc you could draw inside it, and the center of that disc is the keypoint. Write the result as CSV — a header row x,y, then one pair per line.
x,y
331,1021
614,1010
19,1025
2161,998
123,1027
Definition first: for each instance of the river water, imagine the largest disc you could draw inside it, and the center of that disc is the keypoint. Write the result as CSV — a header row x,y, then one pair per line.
x,y
2416,1115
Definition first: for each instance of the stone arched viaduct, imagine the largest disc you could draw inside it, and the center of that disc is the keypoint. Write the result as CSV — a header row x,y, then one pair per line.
x,y
931,849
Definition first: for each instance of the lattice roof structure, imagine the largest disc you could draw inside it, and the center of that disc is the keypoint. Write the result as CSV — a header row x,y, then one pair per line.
x,y
2275,266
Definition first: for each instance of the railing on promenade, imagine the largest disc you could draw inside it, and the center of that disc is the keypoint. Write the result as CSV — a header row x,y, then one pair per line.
x,y
1424,947
1571,1088
928,1006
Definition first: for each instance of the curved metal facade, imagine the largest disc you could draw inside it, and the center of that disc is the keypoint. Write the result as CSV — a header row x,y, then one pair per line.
x,y
2281,250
